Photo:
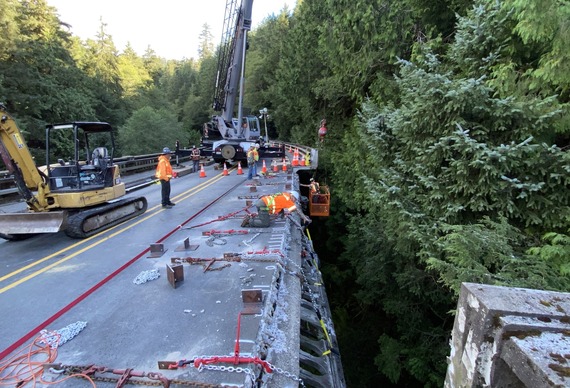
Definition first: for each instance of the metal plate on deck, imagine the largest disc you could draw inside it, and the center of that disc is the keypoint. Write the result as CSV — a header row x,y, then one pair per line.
x,y
252,301
187,246
174,273
156,250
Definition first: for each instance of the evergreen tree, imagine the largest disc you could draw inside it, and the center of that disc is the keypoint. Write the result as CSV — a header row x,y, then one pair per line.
x,y
133,75
206,39
453,184
9,29
148,131
101,62
40,80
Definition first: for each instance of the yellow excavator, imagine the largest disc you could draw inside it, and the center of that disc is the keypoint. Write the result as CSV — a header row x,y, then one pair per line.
x,y
81,196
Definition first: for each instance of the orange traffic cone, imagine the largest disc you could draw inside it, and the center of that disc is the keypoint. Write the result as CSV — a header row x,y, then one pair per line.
x,y
264,168
274,165
202,172
295,161
225,172
239,171
284,165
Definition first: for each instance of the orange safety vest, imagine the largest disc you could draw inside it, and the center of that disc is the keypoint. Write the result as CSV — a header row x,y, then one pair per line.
x,y
164,169
277,202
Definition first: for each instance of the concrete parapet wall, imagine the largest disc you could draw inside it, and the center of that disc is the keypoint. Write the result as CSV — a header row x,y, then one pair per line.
x,y
510,337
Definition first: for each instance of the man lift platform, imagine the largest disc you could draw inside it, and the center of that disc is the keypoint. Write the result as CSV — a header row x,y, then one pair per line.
x,y
319,202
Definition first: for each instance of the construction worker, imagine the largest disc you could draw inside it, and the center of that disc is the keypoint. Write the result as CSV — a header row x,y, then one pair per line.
x,y
323,130
252,158
314,189
313,186
195,154
275,204
164,174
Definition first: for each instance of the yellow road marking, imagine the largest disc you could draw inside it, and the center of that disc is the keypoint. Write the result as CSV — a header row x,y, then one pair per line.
x,y
185,195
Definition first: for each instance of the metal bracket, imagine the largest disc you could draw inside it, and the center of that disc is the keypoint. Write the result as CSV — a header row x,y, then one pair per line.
x,y
174,273
170,365
186,246
156,250
252,301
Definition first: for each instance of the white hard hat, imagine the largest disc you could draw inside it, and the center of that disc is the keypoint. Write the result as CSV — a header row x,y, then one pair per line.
x,y
295,194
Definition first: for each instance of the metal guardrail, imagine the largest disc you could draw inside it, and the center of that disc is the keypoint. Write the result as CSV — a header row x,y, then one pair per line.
x,y
140,163
127,164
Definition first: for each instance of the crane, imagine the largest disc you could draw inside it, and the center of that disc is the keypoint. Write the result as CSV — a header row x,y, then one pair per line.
x,y
230,137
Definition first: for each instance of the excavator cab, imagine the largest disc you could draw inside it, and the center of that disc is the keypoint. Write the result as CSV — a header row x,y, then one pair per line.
x,y
89,163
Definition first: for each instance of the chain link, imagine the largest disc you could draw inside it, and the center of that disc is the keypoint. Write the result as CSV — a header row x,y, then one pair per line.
x,y
59,337
289,375
216,240
146,276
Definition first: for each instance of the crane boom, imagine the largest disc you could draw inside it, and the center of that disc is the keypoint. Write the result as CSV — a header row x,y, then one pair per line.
x,y
232,137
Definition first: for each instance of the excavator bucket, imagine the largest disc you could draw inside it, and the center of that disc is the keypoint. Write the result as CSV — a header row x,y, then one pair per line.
x,y
31,223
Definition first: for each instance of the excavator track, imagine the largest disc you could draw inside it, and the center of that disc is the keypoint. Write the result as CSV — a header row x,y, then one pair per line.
x,y
86,223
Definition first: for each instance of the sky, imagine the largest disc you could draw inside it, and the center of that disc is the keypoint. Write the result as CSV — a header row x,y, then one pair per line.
x,y
170,27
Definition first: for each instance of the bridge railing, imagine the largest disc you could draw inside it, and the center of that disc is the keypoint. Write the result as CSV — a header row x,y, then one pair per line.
x,y
140,163
127,164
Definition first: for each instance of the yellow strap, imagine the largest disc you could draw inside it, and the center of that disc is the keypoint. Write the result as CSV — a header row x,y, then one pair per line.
x,y
326,352
326,332
308,234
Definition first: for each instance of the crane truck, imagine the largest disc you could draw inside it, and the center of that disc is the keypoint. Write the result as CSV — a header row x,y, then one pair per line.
x,y
228,137
81,196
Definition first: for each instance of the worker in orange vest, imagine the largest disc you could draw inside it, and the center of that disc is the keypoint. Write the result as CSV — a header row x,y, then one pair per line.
x,y
164,174
275,204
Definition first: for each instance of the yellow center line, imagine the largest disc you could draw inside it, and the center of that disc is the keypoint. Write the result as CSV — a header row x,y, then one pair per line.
x,y
185,195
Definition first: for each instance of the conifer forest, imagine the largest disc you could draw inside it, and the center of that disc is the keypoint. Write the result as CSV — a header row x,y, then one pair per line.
x,y
447,153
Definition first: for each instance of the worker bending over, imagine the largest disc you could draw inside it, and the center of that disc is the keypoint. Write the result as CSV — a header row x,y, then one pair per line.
x,y
274,204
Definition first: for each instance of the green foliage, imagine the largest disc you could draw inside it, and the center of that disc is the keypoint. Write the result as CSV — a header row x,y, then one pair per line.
x,y
206,48
297,112
491,253
148,131
545,23
40,82
449,181
555,251
9,29
134,76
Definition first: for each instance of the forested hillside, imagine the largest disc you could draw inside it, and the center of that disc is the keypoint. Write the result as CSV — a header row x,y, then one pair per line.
x,y
447,152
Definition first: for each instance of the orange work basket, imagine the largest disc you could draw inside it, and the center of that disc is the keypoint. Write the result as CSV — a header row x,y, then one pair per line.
x,y
319,203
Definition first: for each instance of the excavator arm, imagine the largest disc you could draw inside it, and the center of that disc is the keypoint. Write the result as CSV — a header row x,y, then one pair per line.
x,y
21,164
82,197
